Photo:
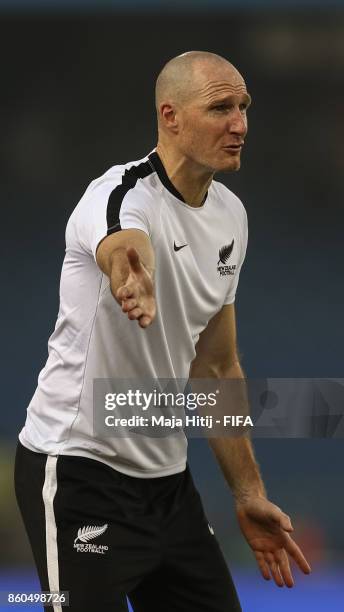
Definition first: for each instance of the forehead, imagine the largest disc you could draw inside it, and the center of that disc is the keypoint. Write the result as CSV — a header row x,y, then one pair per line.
x,y
220,80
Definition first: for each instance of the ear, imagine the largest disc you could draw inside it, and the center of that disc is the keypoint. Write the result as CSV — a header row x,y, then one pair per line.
x,y
169,119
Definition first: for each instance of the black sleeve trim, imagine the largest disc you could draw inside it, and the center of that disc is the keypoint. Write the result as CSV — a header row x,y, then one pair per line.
x,y
129,180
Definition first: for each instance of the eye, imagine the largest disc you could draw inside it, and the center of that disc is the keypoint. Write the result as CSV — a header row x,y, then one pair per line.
x,y
244,106
221,107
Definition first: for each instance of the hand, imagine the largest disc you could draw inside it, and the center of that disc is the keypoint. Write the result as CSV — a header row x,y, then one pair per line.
x,y
137,295
266,529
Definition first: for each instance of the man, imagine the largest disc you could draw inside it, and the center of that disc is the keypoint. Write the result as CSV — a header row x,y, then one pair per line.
x,y
142,295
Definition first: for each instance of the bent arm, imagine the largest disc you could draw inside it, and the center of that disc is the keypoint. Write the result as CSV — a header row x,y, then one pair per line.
x,y
265,526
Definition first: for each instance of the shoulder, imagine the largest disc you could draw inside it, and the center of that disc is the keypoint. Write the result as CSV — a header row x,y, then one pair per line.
x,y
131,181
128,176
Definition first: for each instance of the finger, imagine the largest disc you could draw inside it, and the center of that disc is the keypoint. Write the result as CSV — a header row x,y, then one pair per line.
x,y
284,566
136,313
274,569
125,292
145,321
263,566
134,260
129,305
295,552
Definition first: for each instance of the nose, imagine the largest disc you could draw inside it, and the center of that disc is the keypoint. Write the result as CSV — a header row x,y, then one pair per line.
x,y
238,122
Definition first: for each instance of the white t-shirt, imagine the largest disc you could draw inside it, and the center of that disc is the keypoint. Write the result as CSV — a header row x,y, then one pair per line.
x,y
199,253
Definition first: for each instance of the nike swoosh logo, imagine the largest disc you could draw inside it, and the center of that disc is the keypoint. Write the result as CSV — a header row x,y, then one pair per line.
x,y
177,248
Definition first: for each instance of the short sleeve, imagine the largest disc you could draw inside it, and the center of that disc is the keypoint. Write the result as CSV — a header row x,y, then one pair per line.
x,y
106,209
135,213
230,297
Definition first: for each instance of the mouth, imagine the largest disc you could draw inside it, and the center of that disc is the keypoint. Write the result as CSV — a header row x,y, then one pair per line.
x,y
234,148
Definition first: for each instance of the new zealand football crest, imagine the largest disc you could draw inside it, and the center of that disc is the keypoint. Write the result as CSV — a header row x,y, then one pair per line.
x,y
224,256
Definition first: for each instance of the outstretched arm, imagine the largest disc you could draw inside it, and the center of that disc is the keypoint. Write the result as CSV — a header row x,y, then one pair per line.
x,y
127,258
264,525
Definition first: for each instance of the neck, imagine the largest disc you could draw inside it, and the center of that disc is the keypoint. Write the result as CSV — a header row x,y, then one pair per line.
x,y
190,179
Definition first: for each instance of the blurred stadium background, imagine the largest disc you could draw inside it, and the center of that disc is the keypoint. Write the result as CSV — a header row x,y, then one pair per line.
x,y
77,85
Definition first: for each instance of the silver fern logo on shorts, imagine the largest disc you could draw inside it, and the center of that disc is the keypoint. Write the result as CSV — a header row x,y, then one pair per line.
x,y
85,534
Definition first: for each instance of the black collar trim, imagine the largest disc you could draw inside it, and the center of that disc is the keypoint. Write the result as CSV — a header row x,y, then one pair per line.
x,y
162,174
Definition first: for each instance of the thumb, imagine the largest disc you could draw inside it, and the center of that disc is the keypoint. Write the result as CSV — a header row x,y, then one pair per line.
x,y
283,519
134,260
285,522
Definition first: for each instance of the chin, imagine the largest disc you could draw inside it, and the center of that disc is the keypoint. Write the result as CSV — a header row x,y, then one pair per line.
x,y
232,165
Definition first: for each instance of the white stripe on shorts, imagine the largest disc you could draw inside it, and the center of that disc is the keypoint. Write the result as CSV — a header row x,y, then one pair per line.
x,y
49,491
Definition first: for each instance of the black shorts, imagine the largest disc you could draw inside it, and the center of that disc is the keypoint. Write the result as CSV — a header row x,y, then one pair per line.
x,y
102,536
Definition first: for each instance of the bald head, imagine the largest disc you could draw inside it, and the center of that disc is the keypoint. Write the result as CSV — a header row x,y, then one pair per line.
x,y
201,102
181,78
